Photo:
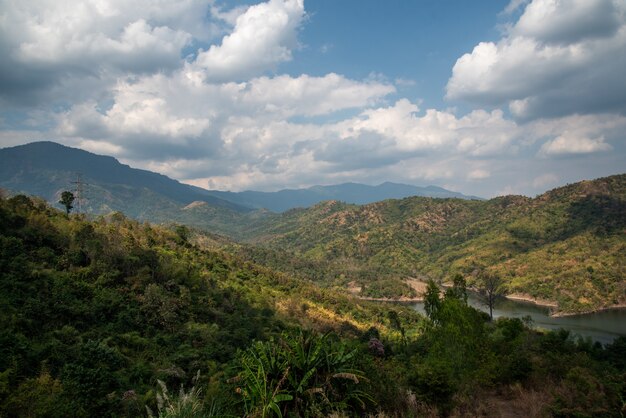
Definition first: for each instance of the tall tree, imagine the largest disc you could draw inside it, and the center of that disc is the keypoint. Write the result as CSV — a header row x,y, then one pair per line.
x,y
432,302
67,199
490,287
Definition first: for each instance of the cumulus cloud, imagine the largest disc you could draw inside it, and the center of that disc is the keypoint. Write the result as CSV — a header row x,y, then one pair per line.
x,y
239,134
570,21
56,50
559,58
310,96
180,116
573,144
263,37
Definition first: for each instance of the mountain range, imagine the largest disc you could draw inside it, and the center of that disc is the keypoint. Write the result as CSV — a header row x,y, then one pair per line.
x,y
355,193
47,168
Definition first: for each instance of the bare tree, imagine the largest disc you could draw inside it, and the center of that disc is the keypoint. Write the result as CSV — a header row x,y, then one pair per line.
x,y
490,287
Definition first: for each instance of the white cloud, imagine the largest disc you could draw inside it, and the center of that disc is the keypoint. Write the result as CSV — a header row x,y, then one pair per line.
x,y
478,174
573,144
477,133
309,96
545,180
238,135
569,21
514,5
59,51
178,116
263,37
99,147
561,57
49,32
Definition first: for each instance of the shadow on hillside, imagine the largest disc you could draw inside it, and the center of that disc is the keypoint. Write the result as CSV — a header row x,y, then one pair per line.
x,y
603,214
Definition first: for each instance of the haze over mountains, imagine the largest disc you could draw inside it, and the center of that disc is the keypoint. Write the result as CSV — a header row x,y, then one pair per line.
x,y
356,193
47,168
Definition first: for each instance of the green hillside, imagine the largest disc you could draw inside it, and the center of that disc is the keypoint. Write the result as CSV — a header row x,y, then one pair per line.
x,y
100,318
94,312
566,245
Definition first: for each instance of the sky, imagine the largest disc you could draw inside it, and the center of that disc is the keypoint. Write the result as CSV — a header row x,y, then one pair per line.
x,y
484,97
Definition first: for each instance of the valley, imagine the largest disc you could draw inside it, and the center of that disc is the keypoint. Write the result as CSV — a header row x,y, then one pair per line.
x,y
564,247
358,309
312,209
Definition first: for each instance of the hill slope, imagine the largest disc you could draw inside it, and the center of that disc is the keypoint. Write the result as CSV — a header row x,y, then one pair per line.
x,y
93,312
46,169
566,245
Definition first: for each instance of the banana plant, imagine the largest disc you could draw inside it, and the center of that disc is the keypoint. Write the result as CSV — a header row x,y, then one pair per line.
x,y
260,389
302,374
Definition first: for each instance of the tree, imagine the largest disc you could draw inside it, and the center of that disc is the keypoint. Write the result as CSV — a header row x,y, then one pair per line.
x,y
490,287
432,302
458,289
394,320
67,198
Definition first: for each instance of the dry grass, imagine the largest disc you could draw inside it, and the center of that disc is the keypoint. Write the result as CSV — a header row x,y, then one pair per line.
x,y
513,401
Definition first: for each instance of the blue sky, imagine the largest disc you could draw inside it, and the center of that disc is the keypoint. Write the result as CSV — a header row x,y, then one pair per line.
x,y
417,41
486,97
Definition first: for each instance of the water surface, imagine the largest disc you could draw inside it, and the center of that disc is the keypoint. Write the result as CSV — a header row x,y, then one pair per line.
x,y
602,326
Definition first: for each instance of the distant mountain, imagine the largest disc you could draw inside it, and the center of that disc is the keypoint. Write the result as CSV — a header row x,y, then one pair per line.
x,y
347,192
46,169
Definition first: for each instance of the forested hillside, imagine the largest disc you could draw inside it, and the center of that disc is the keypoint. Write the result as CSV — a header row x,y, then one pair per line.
x,y
566,245
108,317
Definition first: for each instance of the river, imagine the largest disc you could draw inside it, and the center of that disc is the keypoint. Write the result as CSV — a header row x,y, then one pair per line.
x,y
603,326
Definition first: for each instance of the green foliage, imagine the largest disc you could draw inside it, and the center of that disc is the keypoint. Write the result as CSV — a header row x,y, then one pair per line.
x,y
95,314
564,246
302,374
458,289
40,396
109,306
67,200
432,302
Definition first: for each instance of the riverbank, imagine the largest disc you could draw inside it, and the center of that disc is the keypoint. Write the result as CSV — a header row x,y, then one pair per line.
x,y
592,311
523,297
554,306
417,285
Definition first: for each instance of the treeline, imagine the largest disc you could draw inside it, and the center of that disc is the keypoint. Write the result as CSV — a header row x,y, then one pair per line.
x,y
110,317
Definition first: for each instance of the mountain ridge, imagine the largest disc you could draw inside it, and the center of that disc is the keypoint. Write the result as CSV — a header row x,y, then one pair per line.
x,y
45,168
29,159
